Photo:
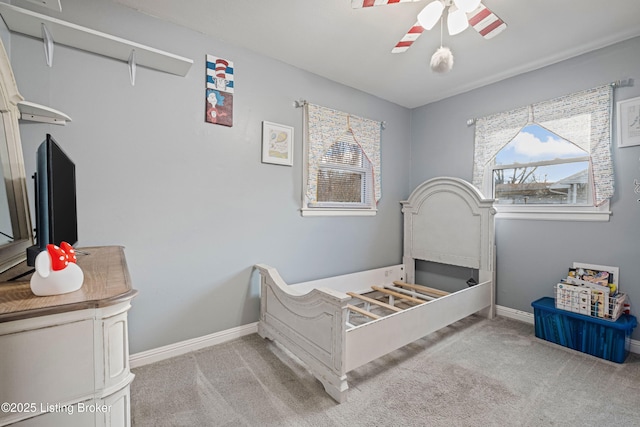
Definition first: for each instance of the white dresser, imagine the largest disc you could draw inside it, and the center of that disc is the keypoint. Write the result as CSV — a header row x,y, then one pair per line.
x,y
64,359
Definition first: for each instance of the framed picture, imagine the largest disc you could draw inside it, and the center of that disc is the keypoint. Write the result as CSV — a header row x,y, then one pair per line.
x,y
277,144
219,91
628,122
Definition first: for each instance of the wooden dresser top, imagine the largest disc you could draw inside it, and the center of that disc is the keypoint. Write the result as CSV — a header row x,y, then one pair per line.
x,y
106,282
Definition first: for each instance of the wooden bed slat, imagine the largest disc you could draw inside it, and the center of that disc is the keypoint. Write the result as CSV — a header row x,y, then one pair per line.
x,y
421,288
374,301
412,293
362,311
397,294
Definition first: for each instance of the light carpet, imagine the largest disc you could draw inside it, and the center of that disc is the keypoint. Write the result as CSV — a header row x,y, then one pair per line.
x,y
476,372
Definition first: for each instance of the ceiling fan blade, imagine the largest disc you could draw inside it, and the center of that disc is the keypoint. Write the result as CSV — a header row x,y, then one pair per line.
x,y
485,22
407,40
357,4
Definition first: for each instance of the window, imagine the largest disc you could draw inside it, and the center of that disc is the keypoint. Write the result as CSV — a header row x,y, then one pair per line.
x,y
344,176
539,168
342,171
550,160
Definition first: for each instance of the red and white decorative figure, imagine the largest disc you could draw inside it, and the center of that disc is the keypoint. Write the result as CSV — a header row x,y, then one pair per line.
x,y
56,271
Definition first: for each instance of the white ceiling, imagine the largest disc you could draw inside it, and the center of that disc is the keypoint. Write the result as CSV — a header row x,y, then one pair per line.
x,y
353,46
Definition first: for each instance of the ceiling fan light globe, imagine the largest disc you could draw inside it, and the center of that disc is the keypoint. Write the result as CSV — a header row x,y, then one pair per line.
x,y
456,21
430,15
467,5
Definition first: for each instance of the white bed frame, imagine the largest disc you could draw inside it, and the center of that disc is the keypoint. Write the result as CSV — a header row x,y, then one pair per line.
x,y
446,220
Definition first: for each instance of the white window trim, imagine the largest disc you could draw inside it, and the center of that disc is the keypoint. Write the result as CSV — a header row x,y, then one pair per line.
x,y
338,211
544,163
342,209
553,212
366,183
546,212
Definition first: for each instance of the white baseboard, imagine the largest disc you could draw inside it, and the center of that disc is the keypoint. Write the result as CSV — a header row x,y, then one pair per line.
x,y
172,350
511,313
161,353
523,316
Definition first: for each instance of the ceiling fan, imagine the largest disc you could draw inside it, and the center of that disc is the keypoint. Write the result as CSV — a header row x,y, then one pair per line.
x,y
462,13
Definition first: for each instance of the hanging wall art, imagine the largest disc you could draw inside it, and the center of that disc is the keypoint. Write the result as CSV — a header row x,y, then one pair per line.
x,y
219,91
277,144
628,122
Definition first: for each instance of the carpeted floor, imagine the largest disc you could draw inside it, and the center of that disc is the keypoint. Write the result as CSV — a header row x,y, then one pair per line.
x,y
476,372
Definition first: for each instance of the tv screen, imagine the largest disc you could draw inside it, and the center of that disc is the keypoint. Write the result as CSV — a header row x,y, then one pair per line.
x,y
55,194
61,194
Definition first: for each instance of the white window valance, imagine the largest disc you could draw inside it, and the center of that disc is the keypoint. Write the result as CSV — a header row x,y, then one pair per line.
x,y
583,118
325,127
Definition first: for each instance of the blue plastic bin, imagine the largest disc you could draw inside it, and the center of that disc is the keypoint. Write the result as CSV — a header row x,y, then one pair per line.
x,y
591,335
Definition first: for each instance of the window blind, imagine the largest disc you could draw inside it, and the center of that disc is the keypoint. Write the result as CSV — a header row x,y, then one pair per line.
x,y
344,174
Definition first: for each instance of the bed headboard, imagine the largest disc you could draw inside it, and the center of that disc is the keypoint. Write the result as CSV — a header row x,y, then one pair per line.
x,y
447,220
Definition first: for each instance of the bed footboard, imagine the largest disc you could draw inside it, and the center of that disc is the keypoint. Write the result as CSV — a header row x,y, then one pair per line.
x,y
310,325
372,340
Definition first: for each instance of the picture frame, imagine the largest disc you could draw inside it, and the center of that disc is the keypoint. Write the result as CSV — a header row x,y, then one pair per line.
x,y
277,144
219,91
628,122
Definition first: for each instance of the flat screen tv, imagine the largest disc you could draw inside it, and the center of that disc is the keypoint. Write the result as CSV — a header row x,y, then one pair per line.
x,y
55,196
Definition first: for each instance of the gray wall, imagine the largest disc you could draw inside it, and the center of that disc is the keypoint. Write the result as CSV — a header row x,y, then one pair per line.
x,y
533,255
195,208
191,201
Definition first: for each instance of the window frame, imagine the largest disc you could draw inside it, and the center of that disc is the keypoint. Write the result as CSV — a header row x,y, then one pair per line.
x,y
365,141
577,212
553,162
365,171
493,132
364,208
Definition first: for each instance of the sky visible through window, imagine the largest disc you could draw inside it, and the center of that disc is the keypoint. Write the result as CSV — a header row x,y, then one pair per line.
x,y
535,143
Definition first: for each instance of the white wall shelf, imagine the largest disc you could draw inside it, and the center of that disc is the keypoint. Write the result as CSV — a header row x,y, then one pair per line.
x,y
39,113
51,4
31,23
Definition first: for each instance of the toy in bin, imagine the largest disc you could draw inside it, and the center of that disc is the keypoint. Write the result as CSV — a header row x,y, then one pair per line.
x,y
592,290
